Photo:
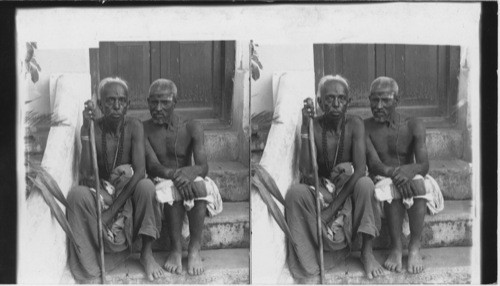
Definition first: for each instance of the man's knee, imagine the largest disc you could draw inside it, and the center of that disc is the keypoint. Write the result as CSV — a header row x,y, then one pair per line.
x,y
364,188
297,193
79,195
145,189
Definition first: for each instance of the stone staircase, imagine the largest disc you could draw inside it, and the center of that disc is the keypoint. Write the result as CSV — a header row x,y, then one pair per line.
x,y
447,236
226,237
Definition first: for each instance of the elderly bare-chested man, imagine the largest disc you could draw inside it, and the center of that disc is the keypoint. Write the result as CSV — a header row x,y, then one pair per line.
x,y
171,142
128,198
349,205
396,149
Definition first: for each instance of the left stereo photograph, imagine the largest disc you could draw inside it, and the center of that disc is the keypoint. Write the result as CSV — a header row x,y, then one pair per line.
x,y
136,161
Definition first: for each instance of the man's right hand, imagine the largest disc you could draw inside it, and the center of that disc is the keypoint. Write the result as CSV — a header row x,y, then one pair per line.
x,y
307,111
88,113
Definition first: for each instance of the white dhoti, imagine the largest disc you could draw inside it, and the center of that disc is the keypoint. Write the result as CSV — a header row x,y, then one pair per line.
x,y
166,192
385,190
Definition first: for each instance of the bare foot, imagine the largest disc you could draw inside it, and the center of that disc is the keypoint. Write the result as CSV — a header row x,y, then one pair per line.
x,y
153,270
174,262
372,267
394,261
415,263
195,263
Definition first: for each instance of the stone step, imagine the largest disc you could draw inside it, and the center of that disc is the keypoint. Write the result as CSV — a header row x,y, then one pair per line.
x,y
454,178
232,178
450,227
221,145
444,143
229,229
222,266
445,265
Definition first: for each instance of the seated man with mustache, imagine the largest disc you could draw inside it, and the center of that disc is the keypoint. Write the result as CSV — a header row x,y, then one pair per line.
x,y
347,195
397,159
171,143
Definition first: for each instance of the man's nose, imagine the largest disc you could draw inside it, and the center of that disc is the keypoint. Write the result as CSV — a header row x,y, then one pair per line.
x,y
379,104
335,102
116,104
159,106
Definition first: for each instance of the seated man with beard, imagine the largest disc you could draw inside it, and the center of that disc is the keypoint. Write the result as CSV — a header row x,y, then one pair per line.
x,y
347,195
171,143
397,160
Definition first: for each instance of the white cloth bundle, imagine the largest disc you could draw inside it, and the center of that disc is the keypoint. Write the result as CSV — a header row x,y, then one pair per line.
x,y
385,190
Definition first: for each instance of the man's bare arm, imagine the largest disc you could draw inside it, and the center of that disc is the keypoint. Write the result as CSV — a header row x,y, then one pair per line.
x,y
421,165
375,165
154,167
138,165
403,175
187,174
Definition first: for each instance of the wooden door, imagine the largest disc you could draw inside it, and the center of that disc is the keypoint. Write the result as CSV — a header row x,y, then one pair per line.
x,y
202,71
130,61
426,75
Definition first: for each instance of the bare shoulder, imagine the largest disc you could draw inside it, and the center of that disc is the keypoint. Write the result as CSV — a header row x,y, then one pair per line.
x,y
415,125
147,125
369,124
354,121
195,128
133,124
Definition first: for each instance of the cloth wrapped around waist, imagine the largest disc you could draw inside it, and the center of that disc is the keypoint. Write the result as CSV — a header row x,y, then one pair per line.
x,y
120,230
204,189
337,229
385,190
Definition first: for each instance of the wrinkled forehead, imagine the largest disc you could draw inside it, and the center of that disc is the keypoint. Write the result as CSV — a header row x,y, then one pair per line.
x,y
114,90
383,88
167,95
334,87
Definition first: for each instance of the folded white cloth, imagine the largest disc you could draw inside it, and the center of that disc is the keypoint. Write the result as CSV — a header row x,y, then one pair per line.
x,y
385,190
166,192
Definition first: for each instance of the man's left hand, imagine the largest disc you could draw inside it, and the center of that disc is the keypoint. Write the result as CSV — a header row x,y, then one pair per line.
x,y
402,175
183,177
187,192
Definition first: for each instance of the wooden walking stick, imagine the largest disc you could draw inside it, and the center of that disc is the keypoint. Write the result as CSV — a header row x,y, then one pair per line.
x,y
93,152
312,152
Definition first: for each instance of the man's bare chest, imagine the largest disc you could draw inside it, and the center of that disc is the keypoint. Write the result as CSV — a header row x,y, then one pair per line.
x,y
170,142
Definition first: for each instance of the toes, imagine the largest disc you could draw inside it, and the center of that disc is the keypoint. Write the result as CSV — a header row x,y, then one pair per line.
x,y
399,268
150,277
370,276
178,270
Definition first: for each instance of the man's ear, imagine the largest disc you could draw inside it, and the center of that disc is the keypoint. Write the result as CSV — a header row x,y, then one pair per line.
x,y
99,103
396,100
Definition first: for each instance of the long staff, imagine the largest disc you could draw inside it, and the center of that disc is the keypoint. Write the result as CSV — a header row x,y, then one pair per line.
x,y
312,151
93,152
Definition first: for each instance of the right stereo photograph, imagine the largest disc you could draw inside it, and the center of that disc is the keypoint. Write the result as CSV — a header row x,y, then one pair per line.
x,y
361,163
